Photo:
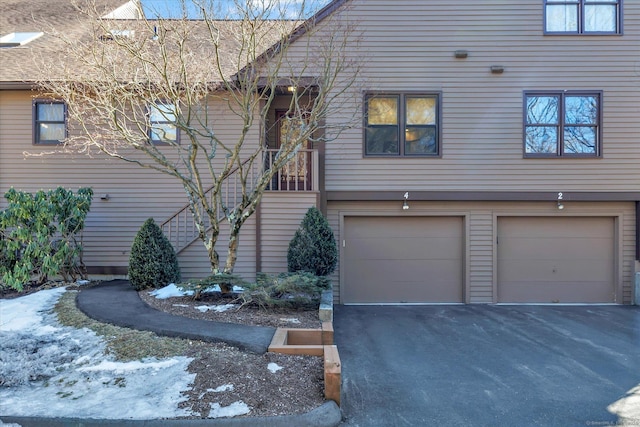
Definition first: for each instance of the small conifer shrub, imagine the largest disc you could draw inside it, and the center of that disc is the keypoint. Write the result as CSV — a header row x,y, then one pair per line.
x,y
313,247
153,261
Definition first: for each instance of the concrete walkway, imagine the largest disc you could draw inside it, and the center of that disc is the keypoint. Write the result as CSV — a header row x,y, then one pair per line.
x,y
116,302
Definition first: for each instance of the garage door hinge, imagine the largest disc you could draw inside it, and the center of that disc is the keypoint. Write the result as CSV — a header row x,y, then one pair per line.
x,y
344,243
497,240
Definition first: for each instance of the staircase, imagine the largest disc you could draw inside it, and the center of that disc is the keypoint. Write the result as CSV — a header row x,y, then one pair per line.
x,y
300,174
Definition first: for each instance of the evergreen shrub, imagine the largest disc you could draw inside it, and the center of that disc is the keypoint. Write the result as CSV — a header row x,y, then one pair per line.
x,y
153,261
313,247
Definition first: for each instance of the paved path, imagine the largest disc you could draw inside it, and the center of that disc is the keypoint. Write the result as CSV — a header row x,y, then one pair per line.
x,y
116,302
484,365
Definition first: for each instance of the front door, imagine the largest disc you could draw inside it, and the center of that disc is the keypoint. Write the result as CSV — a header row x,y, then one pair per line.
x,y
295,175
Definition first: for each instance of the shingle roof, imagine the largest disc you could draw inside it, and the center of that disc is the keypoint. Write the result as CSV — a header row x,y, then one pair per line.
x,y
18,64
24,64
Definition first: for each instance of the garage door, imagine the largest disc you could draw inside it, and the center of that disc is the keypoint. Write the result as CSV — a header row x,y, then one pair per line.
x,y
403,260
566,260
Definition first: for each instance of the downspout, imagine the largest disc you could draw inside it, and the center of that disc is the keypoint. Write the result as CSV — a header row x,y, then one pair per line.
x,y
638,231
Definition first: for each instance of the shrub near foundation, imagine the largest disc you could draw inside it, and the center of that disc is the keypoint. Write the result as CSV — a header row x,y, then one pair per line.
x,y
153,261
313,247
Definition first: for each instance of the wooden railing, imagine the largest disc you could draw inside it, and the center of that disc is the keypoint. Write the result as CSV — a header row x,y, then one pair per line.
x,y
300,174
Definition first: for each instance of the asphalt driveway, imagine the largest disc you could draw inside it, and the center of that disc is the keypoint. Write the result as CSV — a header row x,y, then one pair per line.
x,y
482,365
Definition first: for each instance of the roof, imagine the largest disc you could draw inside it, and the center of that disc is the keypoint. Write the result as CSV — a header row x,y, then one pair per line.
x,y
44,58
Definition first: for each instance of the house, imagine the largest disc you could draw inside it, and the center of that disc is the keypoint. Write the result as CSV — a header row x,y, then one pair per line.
x,y
496,158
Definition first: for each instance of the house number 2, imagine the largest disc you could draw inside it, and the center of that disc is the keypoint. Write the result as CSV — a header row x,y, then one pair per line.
x,y
559,196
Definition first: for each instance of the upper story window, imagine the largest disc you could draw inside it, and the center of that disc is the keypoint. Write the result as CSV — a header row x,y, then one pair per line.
x,y
162,128
49,122
402,125
583,16
564,123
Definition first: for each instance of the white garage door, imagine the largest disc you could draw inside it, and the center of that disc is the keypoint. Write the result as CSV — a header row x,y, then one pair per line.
x,y
566,260
403,260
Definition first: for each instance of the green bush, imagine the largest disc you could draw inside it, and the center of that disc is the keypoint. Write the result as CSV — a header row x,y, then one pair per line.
x,y
39,235
301,290
153,261
313,247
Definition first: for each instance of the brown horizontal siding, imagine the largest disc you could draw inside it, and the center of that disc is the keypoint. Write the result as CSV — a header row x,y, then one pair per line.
x,y
409,45
280,217
481,216
135,194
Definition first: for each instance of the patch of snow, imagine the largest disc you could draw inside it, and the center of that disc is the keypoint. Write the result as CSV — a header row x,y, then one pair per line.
x,y
290,320
82,282
235,409
217,308
9,424
181,305
172,290
274,367
222,388
51,370
169,291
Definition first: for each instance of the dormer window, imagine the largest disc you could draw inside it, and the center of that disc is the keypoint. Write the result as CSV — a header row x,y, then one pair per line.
x,y
18,39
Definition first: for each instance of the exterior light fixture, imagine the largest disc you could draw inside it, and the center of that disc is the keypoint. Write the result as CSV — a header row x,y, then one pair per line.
x,y
497,69
461,54
291,89
405,204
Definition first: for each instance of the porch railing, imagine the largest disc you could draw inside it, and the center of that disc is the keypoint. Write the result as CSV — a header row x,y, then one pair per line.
x,y
300,174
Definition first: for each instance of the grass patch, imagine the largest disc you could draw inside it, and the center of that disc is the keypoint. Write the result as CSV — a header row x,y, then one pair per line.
x,y
125,344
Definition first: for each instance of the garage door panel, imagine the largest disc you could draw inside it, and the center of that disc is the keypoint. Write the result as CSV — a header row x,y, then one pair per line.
x,y
395,260
556,259
409,248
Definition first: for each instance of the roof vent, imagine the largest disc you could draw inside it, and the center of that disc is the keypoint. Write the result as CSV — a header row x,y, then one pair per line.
x,y
18,39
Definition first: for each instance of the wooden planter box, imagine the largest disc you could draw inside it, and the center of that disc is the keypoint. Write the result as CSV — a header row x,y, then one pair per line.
x,y
313,342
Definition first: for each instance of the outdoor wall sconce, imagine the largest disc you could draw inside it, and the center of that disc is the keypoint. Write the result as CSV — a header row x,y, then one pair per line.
x,y
461,54
405,204
497,69
560,204
105,197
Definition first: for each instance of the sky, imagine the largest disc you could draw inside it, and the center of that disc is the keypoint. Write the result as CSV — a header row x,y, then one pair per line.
x,y
175,9
77,379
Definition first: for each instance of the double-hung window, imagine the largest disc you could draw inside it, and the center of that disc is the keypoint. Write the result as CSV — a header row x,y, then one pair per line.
x,y
162,119
583,16
49,122
402,124
566,123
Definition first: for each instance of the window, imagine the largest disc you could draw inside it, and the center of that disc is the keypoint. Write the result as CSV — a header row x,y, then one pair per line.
x,y
583,16
562,124
162,128
18,39
402,125
49,119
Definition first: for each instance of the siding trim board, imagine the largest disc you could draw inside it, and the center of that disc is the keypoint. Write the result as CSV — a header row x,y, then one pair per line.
x,y
637,230
484,196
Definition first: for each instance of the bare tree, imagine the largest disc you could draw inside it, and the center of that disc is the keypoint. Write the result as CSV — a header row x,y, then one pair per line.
x,y
143,91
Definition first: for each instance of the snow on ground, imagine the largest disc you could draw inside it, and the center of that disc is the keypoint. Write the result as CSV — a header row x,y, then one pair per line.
x,y
217,308
172,290
273,367
47,369
236,408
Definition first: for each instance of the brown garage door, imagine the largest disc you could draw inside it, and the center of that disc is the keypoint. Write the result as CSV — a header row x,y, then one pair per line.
x,y
567,260
398,260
